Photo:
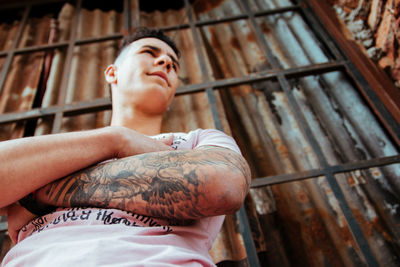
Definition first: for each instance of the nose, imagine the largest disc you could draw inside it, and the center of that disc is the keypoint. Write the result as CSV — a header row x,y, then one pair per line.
x,y
165,61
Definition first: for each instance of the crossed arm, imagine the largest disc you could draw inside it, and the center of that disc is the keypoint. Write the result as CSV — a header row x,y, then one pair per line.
x,y
175,185
178,185
27,164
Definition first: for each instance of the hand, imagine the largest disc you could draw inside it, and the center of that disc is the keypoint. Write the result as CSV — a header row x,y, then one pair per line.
x,y
132,143
17,217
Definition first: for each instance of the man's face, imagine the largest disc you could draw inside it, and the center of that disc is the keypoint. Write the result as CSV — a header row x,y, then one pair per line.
x,y
148,74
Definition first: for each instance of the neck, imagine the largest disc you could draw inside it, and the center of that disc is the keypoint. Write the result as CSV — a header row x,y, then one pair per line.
x,y
136,120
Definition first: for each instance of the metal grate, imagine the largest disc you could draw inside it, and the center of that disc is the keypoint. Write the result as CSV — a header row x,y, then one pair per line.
x,y
283,77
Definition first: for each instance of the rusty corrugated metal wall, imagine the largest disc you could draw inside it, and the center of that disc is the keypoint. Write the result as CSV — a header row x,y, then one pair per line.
x,y
260,70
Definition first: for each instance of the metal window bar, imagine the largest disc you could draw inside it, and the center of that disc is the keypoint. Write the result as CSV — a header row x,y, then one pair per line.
x,y
63,44
284,84
128,25
127,16
66,69
104,103
340,62
243,220
388,120
335,169
206,22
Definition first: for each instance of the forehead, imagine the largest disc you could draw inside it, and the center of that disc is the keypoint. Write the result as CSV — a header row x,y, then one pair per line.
x,y
138,44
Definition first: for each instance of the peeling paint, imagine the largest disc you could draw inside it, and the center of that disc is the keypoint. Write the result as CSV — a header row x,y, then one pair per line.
x,y
374,24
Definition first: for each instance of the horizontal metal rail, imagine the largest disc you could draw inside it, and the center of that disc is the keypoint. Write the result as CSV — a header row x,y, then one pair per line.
x,y
296,72
46,47
101,104
302,175
117,36
206,22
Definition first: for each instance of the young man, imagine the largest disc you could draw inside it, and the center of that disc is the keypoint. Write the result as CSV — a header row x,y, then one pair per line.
x,y
153,199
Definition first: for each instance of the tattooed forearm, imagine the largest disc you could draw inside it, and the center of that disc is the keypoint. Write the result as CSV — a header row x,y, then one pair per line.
x,y
170,184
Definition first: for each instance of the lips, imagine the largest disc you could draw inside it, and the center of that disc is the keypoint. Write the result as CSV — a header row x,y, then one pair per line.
x,y
160,74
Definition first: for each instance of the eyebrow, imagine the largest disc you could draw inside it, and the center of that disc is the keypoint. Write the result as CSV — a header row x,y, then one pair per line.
x,y
157,49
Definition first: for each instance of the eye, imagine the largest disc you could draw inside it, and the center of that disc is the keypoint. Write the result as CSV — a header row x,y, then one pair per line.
x,y
149,52
174,66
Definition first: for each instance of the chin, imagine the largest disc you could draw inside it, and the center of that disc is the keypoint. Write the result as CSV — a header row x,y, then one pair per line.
x,y
154,108
154,99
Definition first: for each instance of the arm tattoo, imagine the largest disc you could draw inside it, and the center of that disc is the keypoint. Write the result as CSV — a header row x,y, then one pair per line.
x,y
167,184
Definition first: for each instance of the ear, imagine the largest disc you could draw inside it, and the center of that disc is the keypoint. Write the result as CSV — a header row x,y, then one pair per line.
x,y
111,74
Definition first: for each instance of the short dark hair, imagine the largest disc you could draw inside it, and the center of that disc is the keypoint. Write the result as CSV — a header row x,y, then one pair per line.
x,y
144,32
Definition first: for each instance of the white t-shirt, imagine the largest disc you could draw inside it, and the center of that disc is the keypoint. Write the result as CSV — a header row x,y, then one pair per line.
x,y
111,237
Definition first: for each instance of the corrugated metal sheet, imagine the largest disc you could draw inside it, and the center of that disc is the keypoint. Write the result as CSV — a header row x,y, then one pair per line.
x,y
23,77
7,34
297,223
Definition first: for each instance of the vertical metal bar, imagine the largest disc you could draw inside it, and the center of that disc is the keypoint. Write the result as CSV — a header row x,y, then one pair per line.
x,y
10,55
136,14
203,67
355,228
214,109
373,100
318,30
127,16
196,41
243,220
67,68
349,216
245,230
354,74
388,120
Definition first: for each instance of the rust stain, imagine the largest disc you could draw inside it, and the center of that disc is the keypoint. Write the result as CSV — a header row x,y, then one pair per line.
x,y
224,70
250,37
201,6
1,62
214,40
302,196
235,43
264,27
370,227
283,149
306,229
351,181
343,236
376,173
322,240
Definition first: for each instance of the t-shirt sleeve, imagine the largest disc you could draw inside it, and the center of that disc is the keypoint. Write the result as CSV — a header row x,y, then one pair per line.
x,y
212,137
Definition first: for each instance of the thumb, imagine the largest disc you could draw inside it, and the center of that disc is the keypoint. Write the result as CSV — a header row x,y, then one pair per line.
x,y
167,139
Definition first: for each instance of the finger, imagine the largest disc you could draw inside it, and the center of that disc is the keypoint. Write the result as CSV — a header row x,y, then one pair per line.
x,y
168,139
164,147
